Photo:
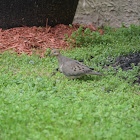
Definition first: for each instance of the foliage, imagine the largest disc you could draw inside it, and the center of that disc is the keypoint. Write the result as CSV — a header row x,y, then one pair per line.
x,y
83,37
36,105
129,35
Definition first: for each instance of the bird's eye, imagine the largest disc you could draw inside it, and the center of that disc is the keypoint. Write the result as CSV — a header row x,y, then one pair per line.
x,y
54,52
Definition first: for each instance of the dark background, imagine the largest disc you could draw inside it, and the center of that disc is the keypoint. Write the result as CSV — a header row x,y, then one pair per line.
x,y
16,13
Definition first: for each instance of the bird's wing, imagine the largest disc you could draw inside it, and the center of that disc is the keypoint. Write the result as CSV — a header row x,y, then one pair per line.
x,y
74,68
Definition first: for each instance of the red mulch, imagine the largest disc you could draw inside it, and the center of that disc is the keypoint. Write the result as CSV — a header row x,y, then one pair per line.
x,y
25,39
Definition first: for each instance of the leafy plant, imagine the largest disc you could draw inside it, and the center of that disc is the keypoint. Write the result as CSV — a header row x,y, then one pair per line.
x,y
83,37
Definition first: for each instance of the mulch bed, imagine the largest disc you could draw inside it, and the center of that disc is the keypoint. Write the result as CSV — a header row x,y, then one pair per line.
x,y
27,39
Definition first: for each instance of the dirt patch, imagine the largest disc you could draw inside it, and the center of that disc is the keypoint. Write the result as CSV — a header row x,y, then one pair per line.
x,y
125,62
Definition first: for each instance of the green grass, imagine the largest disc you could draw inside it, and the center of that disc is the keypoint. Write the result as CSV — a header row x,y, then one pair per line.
x,y
35,105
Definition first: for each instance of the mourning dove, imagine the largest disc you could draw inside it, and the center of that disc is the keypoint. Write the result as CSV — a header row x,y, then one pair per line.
x,y
72,68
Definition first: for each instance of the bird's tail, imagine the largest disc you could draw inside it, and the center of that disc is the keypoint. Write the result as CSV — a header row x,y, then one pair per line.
x,y
94,73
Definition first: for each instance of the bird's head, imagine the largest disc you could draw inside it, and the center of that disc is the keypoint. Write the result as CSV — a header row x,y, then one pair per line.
x,y
55,52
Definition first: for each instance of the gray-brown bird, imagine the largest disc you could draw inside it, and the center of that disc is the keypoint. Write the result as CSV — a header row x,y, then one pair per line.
x,y
72,68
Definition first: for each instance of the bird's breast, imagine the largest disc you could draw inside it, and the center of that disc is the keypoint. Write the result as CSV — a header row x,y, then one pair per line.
x,y
60,68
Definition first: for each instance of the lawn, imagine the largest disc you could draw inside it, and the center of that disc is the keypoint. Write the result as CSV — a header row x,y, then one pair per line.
x,y
36,104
